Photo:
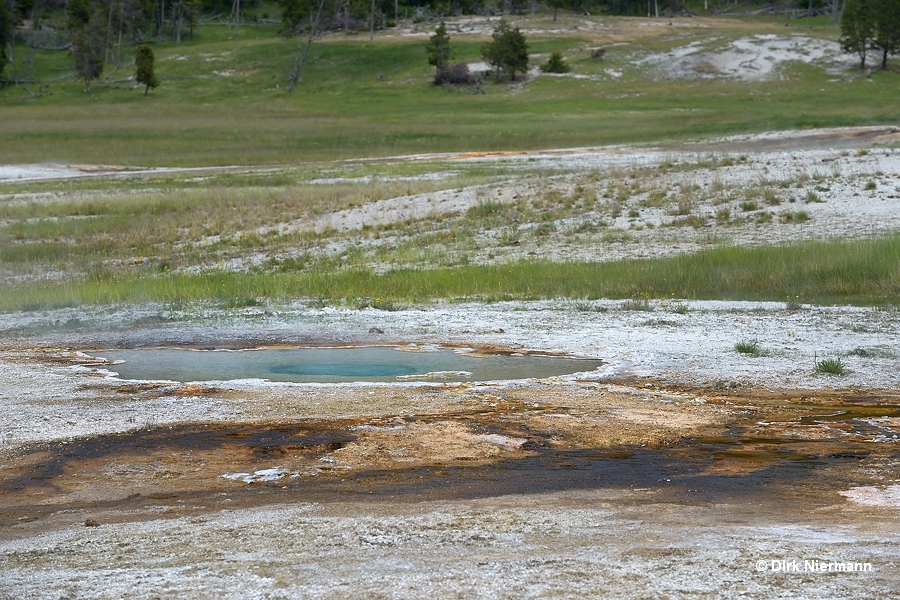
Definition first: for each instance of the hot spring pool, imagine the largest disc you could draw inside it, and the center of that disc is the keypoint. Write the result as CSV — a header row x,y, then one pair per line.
x,y
338,365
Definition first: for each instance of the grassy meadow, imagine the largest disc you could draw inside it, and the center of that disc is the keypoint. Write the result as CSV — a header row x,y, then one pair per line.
x,y
221,102
864,272
224,102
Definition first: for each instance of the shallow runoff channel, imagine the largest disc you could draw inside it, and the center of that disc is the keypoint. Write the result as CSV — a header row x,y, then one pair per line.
x,y
340,365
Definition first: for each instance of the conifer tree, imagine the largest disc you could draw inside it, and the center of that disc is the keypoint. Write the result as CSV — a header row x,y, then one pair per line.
x,y
886,38
556,64
143,64
7,23
88,33
858,28
508,52
438,47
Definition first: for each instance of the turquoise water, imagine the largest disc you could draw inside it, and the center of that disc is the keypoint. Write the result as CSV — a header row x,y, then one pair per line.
x,y
337,365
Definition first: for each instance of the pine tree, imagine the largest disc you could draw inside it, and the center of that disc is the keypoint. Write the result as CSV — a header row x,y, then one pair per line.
x,y
508,52
438,47
886,38
556,5
293,14
78,13
6,32
88,33
858,28
556,64
143,63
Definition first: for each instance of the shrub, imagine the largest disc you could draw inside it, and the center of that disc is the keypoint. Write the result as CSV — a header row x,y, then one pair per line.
x,y
556,64
793,304
455,74
723,215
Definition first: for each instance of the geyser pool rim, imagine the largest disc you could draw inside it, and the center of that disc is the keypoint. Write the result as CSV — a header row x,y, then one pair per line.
x,y
394,363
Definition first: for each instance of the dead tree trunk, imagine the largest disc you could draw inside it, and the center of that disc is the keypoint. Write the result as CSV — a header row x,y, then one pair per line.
x,y
301,60
178,19
160,18
109,23
236,15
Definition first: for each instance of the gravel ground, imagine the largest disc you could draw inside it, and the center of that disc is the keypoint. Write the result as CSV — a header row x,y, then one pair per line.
x,y
604,540
680,468
585,545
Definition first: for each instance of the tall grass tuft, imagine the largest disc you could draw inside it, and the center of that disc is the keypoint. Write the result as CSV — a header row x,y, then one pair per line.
x,y
863,272
750,347
833,366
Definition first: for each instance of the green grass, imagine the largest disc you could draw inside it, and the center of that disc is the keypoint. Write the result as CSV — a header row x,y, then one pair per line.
x,y
750,347
102,225
833,366
865,272
224,102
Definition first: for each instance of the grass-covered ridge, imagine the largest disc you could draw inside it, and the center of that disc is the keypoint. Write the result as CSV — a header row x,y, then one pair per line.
x,y
865,272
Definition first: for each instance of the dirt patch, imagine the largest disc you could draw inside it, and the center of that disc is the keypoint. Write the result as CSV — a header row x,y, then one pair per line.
x,y
457,427
532,480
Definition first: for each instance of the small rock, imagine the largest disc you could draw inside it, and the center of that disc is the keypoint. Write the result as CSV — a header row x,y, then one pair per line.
x,y
376,330
92,523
